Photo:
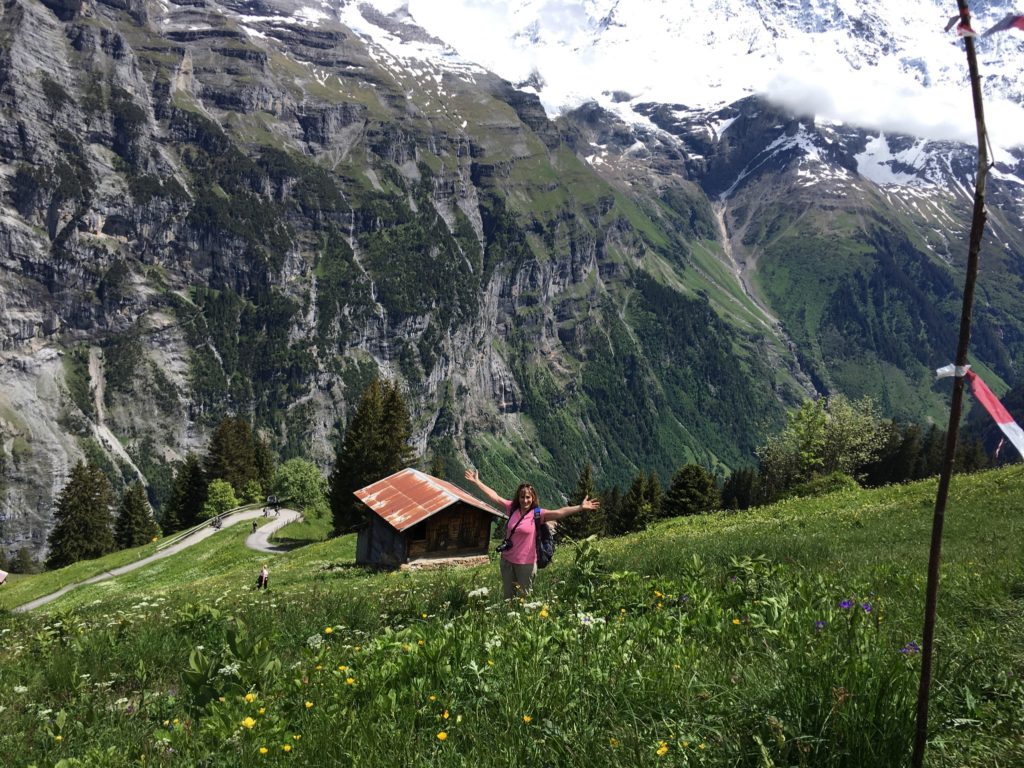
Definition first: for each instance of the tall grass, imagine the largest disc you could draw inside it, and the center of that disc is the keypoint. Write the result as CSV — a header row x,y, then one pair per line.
x,y
783,636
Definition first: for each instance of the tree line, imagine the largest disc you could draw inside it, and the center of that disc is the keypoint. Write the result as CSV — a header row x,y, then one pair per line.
x,y
826,444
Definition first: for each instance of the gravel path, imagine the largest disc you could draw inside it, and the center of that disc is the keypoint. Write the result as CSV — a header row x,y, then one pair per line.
x,y
260,541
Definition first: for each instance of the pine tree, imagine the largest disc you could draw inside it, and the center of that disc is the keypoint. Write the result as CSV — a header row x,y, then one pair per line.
x,y
135,524
437,466
83,527
238,456
395,430
692,492
23,562
655,495
740,490
376,445
611,508
184,508
583,524
634,512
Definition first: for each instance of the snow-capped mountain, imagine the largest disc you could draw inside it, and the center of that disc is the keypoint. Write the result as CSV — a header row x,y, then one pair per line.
x,y
886,65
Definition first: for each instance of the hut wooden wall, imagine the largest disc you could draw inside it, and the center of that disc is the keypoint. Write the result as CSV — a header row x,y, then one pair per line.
x,y
380,544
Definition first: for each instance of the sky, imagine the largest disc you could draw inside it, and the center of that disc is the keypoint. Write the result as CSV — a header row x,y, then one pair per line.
x,y
705,53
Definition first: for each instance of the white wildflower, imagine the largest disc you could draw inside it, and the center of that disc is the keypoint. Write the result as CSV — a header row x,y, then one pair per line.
x,y
315,641
479,592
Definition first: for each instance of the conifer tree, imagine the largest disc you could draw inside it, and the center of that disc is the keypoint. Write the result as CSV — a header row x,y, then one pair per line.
x,y
584,524
376,444
655,495
135,524
611,508
740,490
83,527
634,511
237,455
691,492
184,508
23,562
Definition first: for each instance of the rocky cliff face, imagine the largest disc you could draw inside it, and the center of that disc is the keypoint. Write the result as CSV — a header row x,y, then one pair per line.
x,y
211,209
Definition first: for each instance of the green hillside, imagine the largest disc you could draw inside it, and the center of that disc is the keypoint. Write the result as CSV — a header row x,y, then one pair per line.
x,y
780,636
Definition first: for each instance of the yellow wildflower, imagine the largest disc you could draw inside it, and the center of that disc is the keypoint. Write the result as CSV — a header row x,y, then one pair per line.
x,y
735,621
433,697
309,705
350,681
342,667
613,742
286,747
263,750
328,630
262,711
250,697
544,613
421,642
527,718
445,715
58,737
248,722
442,736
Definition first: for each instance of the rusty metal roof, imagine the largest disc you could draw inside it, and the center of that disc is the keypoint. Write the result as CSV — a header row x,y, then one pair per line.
x,y
410,496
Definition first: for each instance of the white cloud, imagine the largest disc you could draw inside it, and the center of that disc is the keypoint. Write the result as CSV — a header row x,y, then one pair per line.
x,y
700,54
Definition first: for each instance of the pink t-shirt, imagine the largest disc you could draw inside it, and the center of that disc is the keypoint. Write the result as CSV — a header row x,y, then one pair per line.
x,y
524,540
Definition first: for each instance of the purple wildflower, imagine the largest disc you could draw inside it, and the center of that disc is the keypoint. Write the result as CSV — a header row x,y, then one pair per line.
x,y
846,604
910,647
866,607
820,624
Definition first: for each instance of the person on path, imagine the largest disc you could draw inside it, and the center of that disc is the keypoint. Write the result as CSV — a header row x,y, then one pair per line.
x,y
255,525
263,580
519,558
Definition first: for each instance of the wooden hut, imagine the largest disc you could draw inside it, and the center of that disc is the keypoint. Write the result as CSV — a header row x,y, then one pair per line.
x,y
415,517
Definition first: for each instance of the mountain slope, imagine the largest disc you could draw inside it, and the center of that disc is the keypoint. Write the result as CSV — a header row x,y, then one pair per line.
x,y
213,208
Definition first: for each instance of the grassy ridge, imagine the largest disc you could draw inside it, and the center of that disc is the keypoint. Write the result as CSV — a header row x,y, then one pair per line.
x,y
782,636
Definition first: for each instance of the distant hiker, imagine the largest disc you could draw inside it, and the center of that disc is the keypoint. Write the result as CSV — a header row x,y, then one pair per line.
x,y
3,576
255,525
519,548
263,580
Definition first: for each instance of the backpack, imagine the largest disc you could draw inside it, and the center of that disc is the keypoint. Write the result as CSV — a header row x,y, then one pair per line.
x,y
545,540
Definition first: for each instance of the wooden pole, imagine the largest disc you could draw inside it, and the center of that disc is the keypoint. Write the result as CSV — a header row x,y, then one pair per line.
x,y
956,405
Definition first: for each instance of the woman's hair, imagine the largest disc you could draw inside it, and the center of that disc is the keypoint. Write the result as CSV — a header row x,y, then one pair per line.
x,y
515,499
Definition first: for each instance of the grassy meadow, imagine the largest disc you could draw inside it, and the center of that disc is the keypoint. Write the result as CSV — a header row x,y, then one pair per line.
x,y
786,635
